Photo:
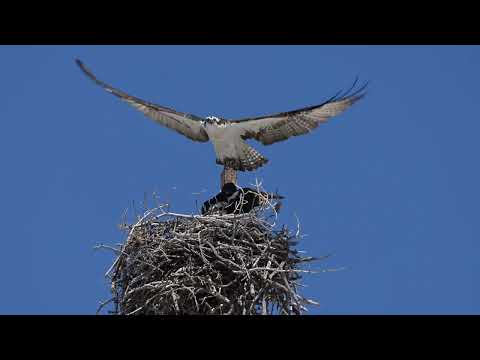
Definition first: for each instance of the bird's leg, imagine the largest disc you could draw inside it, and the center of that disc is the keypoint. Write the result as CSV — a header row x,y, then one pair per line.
x,y
229,175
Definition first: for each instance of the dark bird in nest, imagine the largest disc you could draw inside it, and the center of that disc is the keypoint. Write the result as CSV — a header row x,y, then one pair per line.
x,y
228,136
237,200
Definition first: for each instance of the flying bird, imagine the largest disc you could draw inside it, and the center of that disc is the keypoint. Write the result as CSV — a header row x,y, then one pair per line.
x,y
237,200
228,136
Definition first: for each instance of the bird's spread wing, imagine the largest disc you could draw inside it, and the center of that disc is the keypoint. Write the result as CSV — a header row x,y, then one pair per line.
x,y
278,127
185,124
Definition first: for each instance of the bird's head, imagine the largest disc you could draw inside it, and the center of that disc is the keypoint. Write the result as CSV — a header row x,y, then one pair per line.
x,y
229,188
213,120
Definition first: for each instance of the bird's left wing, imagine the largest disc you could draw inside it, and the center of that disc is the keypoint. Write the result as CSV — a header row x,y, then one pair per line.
x,y
278,127
185,124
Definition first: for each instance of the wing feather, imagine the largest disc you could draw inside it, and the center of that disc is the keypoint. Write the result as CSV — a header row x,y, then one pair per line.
x,y
185,124
278,127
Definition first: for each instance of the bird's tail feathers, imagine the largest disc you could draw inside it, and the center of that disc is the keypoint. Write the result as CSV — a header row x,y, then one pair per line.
x,y
251,159
273,196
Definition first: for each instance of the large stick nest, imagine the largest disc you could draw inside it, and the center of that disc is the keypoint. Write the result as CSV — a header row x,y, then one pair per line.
x,y
216,264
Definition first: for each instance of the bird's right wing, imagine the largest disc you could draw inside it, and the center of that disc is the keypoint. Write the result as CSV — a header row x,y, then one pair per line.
x,y
185,124
278,127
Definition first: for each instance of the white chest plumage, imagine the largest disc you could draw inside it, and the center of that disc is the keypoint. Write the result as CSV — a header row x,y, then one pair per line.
x,y
218,132
225,139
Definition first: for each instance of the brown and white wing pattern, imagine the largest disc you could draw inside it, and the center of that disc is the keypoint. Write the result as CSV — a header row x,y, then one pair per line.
x,y
279,127
185,124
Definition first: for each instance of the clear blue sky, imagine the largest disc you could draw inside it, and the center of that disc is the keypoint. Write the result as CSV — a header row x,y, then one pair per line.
x,y
391,187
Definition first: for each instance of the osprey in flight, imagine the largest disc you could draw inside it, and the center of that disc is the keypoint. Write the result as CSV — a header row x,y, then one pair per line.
x,y
228,136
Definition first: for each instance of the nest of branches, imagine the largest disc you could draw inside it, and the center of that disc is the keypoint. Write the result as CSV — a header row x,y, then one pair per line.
x,y
175,264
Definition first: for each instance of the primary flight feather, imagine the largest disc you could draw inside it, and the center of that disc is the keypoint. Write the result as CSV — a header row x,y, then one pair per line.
x,y
228,136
